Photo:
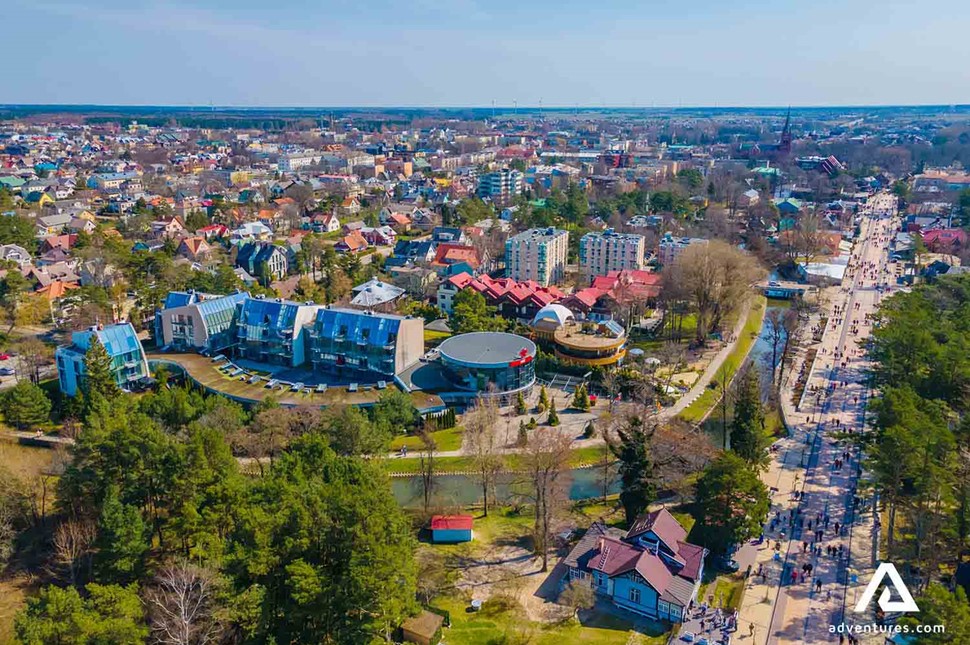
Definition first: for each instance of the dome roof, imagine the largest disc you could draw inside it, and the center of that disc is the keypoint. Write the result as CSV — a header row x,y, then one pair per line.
x,y
554,313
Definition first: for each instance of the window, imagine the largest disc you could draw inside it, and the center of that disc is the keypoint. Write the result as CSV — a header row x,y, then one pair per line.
x,y
634,595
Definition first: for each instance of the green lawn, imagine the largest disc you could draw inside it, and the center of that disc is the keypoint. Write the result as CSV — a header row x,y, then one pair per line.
x,y
749,334
445,440
444,465
503,620
431,335
652,345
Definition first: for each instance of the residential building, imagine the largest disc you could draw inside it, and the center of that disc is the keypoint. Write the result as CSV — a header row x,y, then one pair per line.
x,y
256,255
512,299
374,345
128,363
273,330
651,569
15,253
602,252
538,254
190,320
671,247
501,185
376,294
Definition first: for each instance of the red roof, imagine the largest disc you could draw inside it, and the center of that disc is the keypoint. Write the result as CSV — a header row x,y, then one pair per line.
x,y
451,523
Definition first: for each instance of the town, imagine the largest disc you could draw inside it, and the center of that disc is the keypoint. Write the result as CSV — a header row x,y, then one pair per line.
x,y
484,375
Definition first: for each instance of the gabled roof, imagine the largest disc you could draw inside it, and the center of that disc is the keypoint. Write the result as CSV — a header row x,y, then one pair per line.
x,y
662,523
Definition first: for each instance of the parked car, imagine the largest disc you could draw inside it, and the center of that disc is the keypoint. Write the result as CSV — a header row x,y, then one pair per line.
x,y
7,371
4,357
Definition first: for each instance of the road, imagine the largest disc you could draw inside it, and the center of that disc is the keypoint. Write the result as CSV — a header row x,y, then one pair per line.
x,y
811,491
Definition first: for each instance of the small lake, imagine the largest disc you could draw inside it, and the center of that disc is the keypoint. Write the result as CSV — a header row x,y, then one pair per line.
x,y
465,490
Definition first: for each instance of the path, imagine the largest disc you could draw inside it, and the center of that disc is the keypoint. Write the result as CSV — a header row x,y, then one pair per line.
x,y
701,384
780,610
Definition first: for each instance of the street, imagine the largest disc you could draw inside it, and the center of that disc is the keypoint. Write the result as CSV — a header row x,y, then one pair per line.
x,y
821,537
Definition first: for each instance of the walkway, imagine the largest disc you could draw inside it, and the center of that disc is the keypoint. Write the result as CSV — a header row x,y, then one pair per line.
x,y
701,384
809,493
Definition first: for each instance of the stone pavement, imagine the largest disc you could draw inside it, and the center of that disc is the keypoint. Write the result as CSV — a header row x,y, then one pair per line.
x,y
808,488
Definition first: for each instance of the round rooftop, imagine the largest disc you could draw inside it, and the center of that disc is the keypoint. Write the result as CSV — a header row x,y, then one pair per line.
x,y
554,313
486,348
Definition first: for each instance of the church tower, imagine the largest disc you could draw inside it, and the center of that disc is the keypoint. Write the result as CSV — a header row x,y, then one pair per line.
x,y
785,145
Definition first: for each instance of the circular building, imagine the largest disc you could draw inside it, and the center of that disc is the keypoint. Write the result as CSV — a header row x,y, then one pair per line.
x,y
490,363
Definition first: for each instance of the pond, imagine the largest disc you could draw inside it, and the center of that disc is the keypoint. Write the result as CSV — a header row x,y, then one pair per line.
x,y
465,490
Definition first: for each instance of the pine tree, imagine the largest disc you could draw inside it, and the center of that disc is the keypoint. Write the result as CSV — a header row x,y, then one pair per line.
x,y
26,406
520,404
553,419
523,438
543,404
637,478
581,398
748,438
122,541
99,380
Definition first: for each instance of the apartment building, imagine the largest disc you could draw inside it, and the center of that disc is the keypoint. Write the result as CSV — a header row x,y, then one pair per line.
x,y
273,330
128,363
602,252
538,254
671,247
190,320
372,345
501,185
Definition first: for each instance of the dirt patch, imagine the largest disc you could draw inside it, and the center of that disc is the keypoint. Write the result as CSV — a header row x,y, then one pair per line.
x,y
13,596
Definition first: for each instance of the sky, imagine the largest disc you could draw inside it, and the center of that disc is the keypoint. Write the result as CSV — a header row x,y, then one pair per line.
x,y
566,53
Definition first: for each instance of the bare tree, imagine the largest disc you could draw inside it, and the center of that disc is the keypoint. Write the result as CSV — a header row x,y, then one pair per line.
x,y
775,332
183,607
790,324
481,428
34,355
428,448
716,278
73,540
546,465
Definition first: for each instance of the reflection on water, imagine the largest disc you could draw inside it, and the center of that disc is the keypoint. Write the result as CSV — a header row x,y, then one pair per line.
x,y
465,490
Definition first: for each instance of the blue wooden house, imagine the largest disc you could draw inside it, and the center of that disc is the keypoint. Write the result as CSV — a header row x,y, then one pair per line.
x,y
650,569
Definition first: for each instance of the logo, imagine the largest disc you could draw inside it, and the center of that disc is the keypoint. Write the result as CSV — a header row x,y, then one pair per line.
x,y
905,604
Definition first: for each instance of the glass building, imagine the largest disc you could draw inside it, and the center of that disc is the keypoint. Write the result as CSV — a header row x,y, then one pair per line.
x,y
128,364
346,340
489,362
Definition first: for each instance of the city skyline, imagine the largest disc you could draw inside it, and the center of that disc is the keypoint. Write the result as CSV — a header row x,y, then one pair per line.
x,y
471,54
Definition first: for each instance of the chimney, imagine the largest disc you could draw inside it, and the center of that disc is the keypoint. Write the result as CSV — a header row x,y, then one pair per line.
x,y
602,545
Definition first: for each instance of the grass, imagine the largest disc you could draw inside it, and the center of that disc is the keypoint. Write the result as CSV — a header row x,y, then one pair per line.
x,y
445,465
697,410
729,591
432,336
13,596
449,439
503,620
653,345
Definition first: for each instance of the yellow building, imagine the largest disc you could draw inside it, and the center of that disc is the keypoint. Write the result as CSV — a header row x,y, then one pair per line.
x,y
580,342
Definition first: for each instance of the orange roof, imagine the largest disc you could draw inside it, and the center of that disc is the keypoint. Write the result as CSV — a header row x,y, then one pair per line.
x,y
56,289
195,245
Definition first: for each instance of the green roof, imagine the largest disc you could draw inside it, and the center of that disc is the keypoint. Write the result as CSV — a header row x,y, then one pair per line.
x,y
12,182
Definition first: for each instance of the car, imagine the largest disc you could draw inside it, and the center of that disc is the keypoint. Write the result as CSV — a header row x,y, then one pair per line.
x,y
687,637
774,283
727,564
7,371
4,357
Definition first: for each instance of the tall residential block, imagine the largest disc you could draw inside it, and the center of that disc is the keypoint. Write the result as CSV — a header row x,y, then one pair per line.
x,y
602,252
538,254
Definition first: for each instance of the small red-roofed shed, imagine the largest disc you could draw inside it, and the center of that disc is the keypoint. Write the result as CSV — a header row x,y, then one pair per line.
x,y
449,529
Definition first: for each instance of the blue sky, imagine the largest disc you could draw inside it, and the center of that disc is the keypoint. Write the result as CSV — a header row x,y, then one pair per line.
x,y
471,52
